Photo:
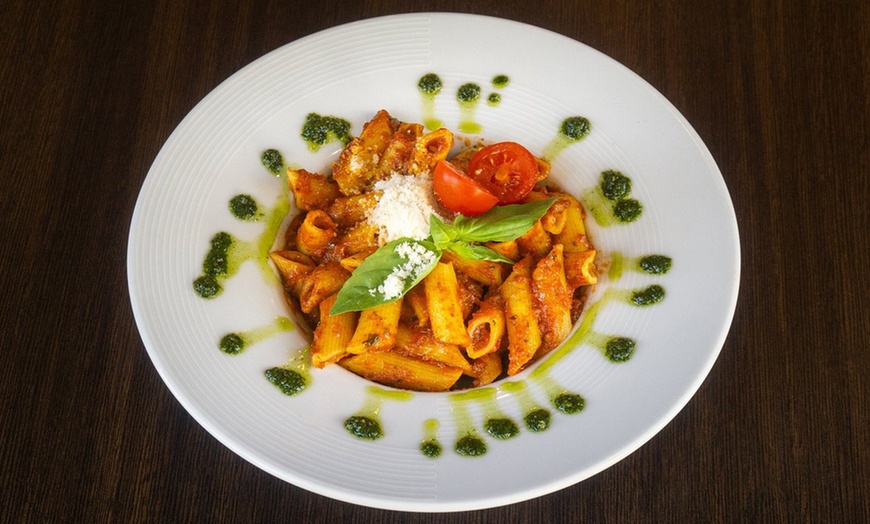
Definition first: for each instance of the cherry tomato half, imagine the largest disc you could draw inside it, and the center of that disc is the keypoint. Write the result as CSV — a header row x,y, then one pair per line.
x,y
458,193
506,169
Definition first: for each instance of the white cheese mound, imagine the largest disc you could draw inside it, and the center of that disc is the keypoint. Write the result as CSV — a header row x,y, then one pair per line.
x,y
404,207
418,259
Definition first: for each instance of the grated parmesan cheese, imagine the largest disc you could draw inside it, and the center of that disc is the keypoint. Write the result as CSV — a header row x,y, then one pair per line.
x,y
404,207
418,259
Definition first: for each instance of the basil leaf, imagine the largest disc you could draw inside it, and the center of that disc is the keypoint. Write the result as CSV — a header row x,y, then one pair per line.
x,y
442,233
501,223
472,252
386,275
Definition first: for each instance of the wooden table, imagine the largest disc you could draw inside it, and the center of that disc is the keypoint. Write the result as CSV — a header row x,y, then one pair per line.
x,y
779,92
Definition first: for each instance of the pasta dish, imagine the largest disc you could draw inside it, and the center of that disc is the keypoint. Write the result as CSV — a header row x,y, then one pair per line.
x,y
422,269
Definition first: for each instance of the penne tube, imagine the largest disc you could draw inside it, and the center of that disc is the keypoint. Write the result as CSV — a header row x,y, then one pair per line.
x,y
315,233
292,265
398,152
420,343
524,336
376,329
429,149
323,281
487,328
580,268
311,190
552,299
573,234
486,369
486,272
349,211
442,301
332,334
356,169
401,371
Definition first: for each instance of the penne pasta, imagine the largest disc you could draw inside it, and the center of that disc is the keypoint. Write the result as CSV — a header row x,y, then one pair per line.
x,y
442,301
524,336
376,329
331,335
552,299
315,233
401,371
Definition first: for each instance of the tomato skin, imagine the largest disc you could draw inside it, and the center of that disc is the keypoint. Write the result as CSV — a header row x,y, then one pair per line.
x,y
506,169
459,193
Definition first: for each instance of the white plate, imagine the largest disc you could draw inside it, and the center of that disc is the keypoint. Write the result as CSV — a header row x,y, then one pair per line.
x,y
352,71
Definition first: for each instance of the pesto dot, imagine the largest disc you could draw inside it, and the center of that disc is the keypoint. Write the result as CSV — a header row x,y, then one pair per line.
x,y
431,448
232,344
569,403
615,185
468,92
649,296
470,446
493,99
655,264
619,349
575,128
243,207
363,427
288,381
627,210
501,428
215,263
206,286
537,420
221,241
272,160
319,130
500,81
430,84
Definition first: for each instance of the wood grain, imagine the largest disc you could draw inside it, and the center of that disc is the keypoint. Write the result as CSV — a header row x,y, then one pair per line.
x,y
777,90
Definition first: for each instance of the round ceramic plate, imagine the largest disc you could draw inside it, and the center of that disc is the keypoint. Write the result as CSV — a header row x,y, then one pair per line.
x,y
351,72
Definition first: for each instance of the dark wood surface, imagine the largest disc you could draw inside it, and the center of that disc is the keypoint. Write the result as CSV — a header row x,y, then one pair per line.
x,y
779,91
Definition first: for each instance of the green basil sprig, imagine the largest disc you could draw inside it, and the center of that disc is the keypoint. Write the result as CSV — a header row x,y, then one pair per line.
x,y
500,224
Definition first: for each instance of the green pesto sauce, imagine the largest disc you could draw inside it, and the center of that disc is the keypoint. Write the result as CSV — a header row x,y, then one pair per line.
x,y
649,296
607,202
569,403
575,128
273,161
289,381
615,185
214,266
430,84
537,420
493,99
468,96
320,130
431,449
470,446
207,287
501,428
500,81
655,264
627,210
365,428
572,130
619,349
469,92
243,207
430,446
232,344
